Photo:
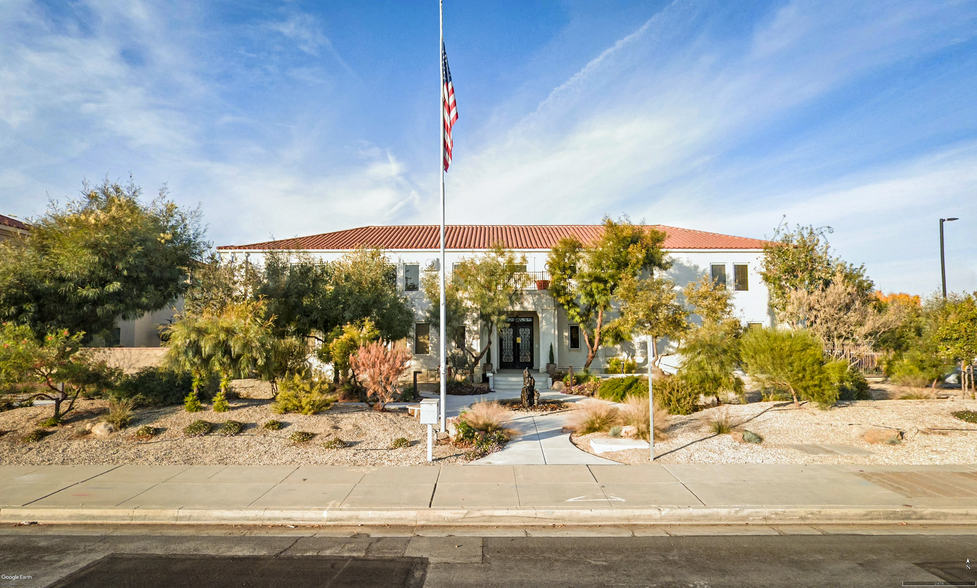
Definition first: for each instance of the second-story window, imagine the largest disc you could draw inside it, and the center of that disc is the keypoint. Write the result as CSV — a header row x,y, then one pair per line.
x,y
741,277
412,277
719,274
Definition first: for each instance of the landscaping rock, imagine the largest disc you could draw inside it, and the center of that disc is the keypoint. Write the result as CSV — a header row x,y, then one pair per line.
x,y
890,436
558,386
103,429
751,437
629,432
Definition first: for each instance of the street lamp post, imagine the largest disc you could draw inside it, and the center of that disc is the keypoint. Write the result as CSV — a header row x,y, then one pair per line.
x,y
942,255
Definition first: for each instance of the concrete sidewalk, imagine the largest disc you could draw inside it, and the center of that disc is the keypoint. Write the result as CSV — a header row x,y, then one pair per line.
x,y
490,495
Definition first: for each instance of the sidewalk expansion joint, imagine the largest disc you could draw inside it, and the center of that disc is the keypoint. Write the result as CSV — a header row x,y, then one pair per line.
x,y
70,486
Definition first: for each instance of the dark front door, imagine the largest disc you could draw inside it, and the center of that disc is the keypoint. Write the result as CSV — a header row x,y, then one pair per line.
x,y
516,344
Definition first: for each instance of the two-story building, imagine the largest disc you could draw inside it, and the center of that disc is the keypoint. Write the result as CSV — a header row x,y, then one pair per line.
x,y
538,322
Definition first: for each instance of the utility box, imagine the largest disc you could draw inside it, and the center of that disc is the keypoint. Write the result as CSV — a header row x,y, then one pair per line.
x,y
429,411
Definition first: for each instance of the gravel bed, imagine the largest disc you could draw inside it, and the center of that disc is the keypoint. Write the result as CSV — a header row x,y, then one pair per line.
x,y
369,434
932,434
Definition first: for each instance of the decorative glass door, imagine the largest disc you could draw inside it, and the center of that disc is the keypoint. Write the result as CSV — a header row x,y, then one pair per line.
x,y
516,344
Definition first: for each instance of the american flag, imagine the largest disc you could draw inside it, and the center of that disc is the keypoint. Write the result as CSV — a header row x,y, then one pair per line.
x,y
450,110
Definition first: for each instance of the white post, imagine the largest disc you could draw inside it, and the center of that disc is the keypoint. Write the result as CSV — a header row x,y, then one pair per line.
x,y
651,400
430,443
441,114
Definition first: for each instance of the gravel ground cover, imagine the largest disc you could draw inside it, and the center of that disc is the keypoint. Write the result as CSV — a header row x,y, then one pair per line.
x,y
932,434
369,435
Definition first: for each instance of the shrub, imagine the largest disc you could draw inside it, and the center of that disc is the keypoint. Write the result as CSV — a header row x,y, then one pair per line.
x,y
915,396
581,377
593,416
617,389
302,395
378,369
50,422
408,393
273,425
615,431
969,416
157,386
464,389
146,432
220,402
916,368
192,402
120,412
400,442
35,436
850,382
635,413
789,360
676,396
334,443
301,436
710,358
621,365
198,428
230,428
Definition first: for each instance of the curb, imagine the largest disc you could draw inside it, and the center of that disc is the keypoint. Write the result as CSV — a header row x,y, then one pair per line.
x,y
496,517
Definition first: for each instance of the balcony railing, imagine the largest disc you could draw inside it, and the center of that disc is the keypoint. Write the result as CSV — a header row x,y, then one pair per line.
x,y
537,280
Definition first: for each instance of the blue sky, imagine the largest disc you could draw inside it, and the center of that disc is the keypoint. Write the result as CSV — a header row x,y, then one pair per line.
x,y
291,118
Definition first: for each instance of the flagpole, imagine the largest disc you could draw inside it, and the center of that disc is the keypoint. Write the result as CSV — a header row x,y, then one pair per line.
x,y
442,339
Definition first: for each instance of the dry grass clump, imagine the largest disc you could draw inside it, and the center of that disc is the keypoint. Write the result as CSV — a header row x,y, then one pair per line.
x,y
721,423
594,416
635,413
488,417
120,412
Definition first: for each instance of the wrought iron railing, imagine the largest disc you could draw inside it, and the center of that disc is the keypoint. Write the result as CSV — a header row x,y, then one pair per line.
x,y
537,280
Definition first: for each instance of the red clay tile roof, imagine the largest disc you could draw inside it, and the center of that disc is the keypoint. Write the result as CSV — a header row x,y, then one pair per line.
x,y
467,237
12,222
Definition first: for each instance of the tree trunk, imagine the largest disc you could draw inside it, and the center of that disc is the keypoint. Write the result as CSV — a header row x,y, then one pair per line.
x,y
592,348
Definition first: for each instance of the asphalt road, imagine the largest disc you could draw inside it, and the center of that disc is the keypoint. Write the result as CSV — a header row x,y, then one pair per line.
x,y
82,557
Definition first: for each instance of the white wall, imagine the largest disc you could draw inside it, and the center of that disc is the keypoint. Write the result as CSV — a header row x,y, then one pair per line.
x,y
551,324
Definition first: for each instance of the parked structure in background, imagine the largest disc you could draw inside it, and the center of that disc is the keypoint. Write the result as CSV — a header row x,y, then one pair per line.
x,y
11,227
538,322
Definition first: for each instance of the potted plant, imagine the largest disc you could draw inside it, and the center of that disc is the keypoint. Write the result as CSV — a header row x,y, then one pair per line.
x,y
542,284
551,366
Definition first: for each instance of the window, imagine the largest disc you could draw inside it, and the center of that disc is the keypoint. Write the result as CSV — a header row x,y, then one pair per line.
x,y
422,338
574,336
741,277
719,274
460,336
412,277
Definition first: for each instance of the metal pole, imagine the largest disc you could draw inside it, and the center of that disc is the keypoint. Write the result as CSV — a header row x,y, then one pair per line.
x,y
443,335
651,400
942,259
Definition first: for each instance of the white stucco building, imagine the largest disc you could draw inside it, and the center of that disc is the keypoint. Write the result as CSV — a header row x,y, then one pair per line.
x,y
539,321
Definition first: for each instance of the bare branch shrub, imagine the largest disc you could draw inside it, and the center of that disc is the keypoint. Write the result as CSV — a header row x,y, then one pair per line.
x,y
379,369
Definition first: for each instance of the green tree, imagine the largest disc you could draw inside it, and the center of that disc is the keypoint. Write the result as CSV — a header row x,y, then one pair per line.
x,y
298,293
364,286
586,278
711,352
956,334
55,362
649,306
231,344
788,360
343,343
802,260
483,291
101,257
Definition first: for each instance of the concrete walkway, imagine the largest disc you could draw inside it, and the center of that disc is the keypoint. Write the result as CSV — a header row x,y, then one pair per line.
x,y
541,439
490,494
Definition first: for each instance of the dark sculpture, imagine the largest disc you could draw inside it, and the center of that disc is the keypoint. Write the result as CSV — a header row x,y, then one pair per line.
x,y
530,395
